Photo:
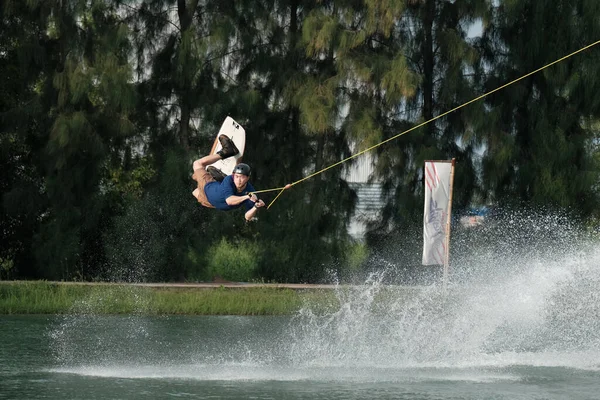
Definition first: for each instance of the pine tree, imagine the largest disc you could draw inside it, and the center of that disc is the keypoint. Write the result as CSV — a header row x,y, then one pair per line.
x,y
301,236
398,64
20,199
540,131
83,94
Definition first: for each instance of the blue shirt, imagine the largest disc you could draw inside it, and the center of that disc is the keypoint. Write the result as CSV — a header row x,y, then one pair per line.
x,y
217,192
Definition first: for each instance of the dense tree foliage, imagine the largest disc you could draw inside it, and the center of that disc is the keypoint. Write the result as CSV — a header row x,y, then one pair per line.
x,y
105,104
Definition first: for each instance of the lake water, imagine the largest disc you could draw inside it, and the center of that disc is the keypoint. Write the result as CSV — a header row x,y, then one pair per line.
x,y
523,323
533,335
94,357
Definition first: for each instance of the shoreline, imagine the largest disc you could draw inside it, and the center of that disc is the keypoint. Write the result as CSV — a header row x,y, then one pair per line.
x,y
210,298
189,285
216,285
202,298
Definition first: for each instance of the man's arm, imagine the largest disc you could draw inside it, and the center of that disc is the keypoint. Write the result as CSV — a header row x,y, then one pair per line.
x,y
251,213
235,200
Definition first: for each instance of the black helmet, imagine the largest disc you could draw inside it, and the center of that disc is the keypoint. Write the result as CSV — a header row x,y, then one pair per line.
x,y
242,168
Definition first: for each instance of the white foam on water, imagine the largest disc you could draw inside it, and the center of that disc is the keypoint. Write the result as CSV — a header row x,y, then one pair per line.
x,y
247,372
528,307
205,372
536,307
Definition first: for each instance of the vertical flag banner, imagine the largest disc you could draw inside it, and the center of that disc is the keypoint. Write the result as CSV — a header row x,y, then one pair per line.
x,y
436,219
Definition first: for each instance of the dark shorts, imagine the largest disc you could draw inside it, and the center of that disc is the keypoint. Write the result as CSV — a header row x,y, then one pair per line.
x,y
203,177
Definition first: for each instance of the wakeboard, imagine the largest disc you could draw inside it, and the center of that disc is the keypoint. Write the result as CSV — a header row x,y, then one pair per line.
x,y
237,134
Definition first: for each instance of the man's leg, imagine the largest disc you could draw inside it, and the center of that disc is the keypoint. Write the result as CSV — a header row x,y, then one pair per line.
x,y
203,178
205,161
228,150
216,173
199,166
228,147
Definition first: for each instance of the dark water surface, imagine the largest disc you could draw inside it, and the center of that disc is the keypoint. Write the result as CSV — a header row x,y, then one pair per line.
x,y
136,357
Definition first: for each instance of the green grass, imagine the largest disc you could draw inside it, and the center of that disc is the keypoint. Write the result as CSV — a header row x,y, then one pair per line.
x,y
55,298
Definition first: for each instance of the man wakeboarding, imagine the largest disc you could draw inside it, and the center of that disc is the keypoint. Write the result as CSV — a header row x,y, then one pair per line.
x,y
225,192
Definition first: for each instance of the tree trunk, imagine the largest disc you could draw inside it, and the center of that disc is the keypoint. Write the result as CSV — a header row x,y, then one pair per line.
x,y
428,64
185,11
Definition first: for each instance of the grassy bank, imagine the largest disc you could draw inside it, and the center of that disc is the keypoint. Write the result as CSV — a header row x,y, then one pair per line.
x,y
53,298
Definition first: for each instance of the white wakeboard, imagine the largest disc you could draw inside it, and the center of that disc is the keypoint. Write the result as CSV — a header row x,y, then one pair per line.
x,y
238,135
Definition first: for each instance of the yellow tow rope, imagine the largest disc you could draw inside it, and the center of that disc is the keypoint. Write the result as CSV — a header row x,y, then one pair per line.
x,y
289,185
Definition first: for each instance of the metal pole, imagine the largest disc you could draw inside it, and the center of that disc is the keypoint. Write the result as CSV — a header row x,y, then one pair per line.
x,y
448,224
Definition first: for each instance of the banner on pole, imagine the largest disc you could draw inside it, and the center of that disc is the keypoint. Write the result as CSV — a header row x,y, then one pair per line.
x,y
436,218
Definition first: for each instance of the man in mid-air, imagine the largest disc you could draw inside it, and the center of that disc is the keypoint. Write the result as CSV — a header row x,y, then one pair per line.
x,y
225,192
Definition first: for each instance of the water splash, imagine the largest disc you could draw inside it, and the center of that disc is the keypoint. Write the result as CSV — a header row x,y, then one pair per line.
x,y
517,299
81,333
527,294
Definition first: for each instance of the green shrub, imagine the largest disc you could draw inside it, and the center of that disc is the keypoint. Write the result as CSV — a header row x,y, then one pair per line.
x,y
356,255
236,262
6,267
